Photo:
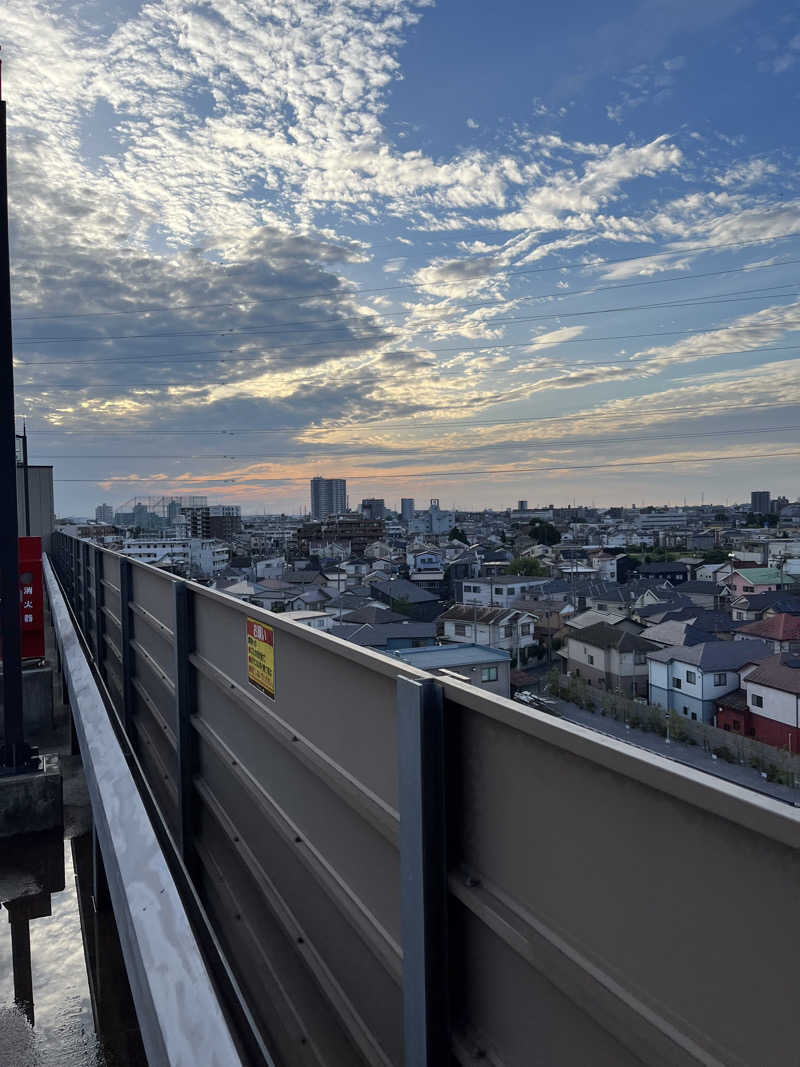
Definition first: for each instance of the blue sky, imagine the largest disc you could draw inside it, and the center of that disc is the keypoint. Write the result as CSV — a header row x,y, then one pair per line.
x,y
471,251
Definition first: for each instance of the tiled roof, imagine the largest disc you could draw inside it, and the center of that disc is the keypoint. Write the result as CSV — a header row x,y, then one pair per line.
x,y
487,616
781,627
601,635
714,655
778,672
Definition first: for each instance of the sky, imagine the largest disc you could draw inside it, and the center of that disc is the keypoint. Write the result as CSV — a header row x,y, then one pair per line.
x,y
471,251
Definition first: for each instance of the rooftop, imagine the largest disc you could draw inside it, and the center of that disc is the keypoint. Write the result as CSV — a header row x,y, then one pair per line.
x,y
781,627
714,655
452,656
601,635
778,672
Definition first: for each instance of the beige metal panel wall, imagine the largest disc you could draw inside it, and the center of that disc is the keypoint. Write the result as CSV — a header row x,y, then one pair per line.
x,y
299,793
606,906
655,901
40,495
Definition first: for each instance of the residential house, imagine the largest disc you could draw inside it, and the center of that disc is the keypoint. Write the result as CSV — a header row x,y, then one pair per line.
x,y
389,636
780,632
608,657
592,616
485,668
511,630
767,707
500,590
702,594
751,606
316,620
610,567
674,573
757,580
405,597
690,679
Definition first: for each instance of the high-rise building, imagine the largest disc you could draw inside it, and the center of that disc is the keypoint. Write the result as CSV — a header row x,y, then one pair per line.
x,y
103,513
522,505
373,508
759,502
328,497
407,508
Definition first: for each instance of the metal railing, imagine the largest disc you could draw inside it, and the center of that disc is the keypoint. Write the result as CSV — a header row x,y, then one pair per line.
x,y
400,869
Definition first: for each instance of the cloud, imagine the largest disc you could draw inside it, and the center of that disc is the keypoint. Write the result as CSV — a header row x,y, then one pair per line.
x,y
473,125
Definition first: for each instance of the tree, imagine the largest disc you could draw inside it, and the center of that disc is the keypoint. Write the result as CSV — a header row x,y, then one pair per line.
x,y
530,568
458,535
544,533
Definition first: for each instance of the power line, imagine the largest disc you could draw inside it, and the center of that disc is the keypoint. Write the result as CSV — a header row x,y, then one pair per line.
x,y
548,444
531,345
455,474
511,272
559,293
705,408
373,379
264,329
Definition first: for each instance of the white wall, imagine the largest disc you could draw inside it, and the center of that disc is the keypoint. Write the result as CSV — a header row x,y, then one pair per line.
x,y
780,706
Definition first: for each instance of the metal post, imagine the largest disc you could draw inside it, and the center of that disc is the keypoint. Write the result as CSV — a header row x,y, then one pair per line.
x,y
99,598
85,587
125,591
185,704
14,749
423,872
26,482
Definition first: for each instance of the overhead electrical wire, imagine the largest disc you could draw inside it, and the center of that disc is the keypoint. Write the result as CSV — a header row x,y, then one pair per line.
x,y
531,345
559,293
513,271
374,379
547,444
265,329
447,474
707,409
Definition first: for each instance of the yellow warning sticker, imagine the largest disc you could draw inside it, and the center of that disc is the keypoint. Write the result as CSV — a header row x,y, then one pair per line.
x,y
261,656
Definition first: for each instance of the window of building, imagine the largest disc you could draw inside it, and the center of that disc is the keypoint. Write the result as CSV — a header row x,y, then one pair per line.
x,y
591,659
676,682
685,710
694,716
749,588
602,607
736,724
721,678
756,700
738,614
691,677
498,590
461,629
525,628
489,674
640,657
510,590
508,631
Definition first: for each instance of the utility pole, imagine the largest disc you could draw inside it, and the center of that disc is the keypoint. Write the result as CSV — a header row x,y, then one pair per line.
x,y
14,749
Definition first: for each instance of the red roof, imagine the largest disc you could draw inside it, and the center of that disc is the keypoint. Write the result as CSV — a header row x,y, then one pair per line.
x,y
780,627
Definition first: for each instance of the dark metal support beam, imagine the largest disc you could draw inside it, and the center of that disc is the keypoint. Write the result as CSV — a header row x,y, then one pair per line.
x,y
125,592
14,749
423,872
185,704
99,618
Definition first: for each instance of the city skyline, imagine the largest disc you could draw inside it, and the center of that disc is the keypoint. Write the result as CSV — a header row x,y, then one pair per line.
x,y
400,241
